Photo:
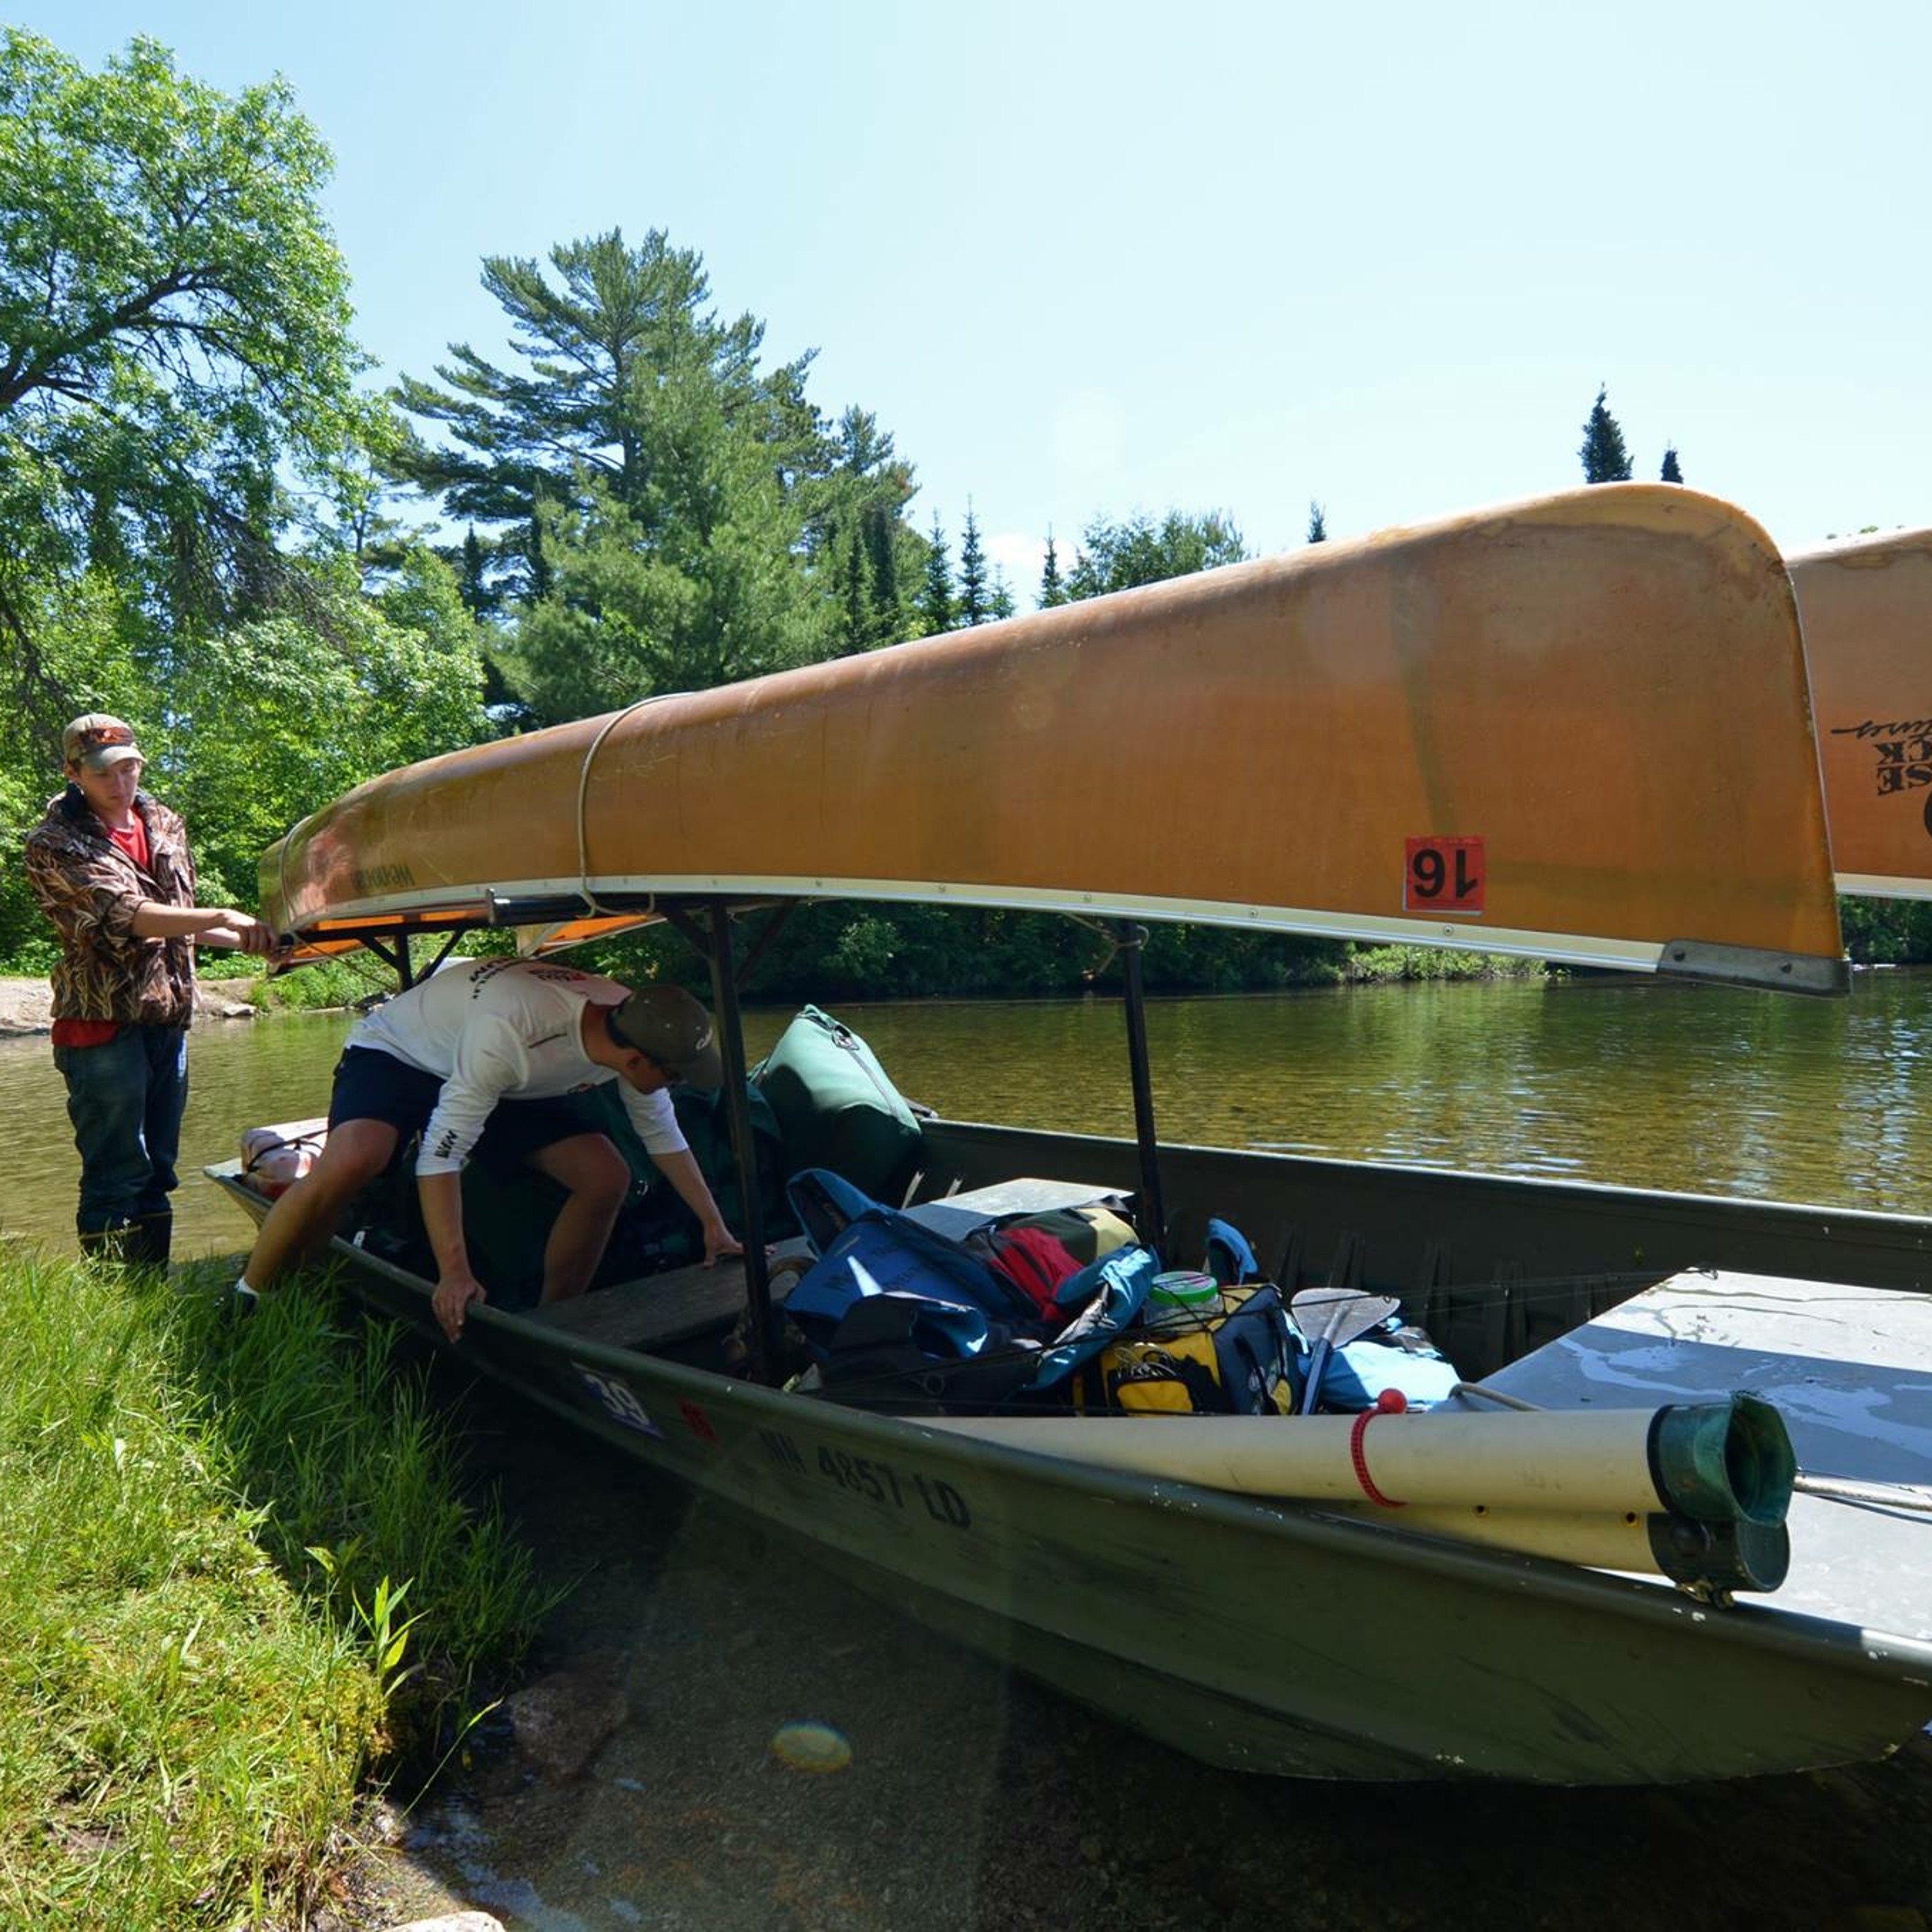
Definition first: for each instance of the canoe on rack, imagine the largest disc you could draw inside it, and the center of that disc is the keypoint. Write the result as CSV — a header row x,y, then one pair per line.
x,y
1867,608
1574,729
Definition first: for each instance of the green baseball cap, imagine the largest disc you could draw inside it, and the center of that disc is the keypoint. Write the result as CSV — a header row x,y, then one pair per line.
x,y
674,1028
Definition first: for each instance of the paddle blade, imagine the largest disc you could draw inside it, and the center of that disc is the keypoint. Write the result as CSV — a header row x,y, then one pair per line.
x,y
1330,1319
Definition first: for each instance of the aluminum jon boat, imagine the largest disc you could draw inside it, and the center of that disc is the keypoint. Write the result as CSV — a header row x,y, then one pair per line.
x,y
1575,728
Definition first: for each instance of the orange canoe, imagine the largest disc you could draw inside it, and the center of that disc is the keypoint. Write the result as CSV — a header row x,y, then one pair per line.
x,y
1575,728
1867,608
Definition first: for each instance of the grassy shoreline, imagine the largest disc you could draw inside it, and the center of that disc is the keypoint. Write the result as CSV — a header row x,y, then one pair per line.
x,y
240,1589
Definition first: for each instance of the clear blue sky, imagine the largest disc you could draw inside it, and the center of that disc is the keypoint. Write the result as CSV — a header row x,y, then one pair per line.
x,y
1093,259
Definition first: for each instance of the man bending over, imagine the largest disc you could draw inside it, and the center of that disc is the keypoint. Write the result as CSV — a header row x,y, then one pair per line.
x,y
479,1057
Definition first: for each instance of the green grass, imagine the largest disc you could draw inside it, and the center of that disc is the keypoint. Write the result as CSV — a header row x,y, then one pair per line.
x,y
328,982
239,1582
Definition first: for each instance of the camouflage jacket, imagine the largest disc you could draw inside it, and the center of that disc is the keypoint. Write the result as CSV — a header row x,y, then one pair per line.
x,y
91,889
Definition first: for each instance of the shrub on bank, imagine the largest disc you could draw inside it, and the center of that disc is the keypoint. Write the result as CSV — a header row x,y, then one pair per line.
x,y
328,983
212,1539
1378,965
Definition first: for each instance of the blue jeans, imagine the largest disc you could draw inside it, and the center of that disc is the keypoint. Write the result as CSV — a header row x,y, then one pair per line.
x,y
125,1099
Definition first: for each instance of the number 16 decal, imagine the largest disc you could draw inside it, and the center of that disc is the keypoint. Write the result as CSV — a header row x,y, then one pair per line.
x,y
1444,876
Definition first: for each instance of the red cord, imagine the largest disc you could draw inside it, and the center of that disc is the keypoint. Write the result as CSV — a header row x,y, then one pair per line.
x,y
1361,1461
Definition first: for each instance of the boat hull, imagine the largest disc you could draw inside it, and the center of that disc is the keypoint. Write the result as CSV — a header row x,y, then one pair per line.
x,y
1257,1636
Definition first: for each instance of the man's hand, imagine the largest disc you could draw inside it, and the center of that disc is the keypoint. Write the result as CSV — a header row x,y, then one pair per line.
x,y
250,935
236,929
453,1294
718,1241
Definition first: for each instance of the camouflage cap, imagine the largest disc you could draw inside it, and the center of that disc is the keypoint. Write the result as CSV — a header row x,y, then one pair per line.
x,y
94,741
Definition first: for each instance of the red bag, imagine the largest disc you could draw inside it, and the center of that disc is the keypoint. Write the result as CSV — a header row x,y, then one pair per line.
x,y
1033,1261
1037,1252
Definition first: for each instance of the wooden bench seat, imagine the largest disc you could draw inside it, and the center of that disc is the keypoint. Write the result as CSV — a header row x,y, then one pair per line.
x,y
680,1305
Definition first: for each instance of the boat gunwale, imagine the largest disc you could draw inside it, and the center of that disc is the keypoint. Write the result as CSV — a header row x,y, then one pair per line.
x,y
1609,1191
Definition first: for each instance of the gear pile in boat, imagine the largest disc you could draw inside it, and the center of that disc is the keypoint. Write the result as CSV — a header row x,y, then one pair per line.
x,y
1067,1308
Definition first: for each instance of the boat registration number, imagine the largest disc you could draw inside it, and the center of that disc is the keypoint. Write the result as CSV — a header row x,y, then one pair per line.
x,y
891,1484
1445,875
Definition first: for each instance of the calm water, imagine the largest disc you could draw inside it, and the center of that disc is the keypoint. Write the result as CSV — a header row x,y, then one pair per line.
x,y
1714,1092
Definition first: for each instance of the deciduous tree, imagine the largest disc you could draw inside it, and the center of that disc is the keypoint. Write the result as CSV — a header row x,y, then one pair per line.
x,y
174,343
682,609
1117,556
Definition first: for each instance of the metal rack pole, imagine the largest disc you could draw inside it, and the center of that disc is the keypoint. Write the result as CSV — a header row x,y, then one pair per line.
x,y
1154,1211
744,1148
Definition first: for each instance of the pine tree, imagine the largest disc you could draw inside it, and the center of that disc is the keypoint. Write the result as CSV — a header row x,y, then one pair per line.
x,y
879,526
1605,458
1051,591
935,595
1673,471
975,592
539,577
1318,524
472,579
1000,603
856,612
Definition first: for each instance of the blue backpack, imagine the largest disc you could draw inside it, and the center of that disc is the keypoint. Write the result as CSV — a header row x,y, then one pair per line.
x,y
896,1315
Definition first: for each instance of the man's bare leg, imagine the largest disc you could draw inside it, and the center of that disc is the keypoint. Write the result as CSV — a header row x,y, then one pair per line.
x,y
299,1225
597,1178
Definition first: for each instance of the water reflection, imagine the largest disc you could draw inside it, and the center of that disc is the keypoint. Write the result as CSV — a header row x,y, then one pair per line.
x,y
1656,1086
1653,1085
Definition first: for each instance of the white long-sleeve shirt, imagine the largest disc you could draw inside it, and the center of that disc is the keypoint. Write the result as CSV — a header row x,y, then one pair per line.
x,y
493,1029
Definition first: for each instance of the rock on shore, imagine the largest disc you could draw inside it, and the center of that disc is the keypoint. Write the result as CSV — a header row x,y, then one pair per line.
x,y
26,1006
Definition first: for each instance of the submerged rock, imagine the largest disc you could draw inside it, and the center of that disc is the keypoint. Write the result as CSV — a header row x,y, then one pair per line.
x,y
562,1721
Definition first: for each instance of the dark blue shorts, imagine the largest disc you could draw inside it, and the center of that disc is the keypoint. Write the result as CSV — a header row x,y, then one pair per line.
x,y
373,1085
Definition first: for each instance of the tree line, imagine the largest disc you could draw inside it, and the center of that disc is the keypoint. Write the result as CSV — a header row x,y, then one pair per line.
x,y
209,526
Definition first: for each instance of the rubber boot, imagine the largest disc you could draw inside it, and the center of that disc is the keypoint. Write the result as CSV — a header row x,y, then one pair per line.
x,y
108,1246
149,1241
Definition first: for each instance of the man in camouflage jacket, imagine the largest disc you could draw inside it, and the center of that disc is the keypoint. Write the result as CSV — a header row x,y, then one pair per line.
x,y
111,868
